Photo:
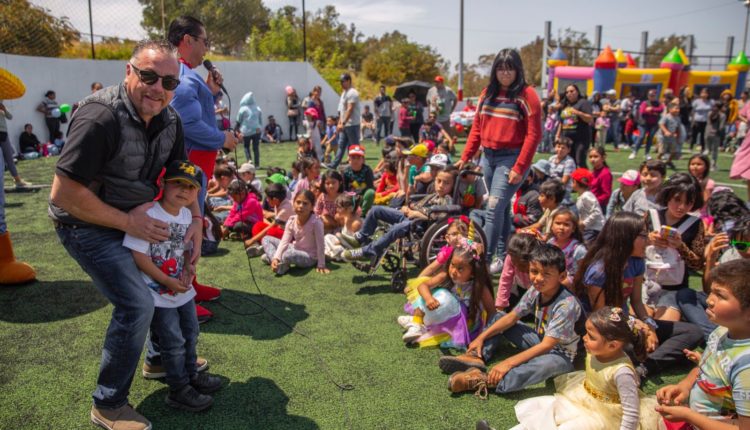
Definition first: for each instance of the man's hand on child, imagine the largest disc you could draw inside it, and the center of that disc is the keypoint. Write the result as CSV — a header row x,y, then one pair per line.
x,y
498,372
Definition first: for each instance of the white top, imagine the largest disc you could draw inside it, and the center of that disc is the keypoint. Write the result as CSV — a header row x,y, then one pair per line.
x,y
167,255
348,97
589,211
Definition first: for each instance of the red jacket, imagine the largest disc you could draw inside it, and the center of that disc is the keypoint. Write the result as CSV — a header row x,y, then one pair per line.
x,y
507,124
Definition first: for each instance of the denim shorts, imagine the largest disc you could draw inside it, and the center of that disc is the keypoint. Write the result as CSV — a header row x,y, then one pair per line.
x,y
667,299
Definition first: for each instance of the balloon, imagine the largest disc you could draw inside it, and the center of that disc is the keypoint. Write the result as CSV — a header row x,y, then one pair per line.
x,y
64,108
449,307
56,113
459,128
289,90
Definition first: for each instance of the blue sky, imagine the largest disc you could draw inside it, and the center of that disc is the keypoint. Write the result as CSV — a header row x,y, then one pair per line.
x,y
490,25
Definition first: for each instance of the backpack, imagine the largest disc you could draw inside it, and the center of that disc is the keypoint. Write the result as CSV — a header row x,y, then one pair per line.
x,y
664,266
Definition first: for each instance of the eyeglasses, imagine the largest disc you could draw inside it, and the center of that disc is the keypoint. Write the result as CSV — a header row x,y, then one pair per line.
x,y
205,40
740,246
505,71
150,77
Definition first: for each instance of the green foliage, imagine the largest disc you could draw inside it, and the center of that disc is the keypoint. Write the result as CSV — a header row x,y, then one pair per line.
x,y
661,47
282,42
392,59
27,29
107,49
228,22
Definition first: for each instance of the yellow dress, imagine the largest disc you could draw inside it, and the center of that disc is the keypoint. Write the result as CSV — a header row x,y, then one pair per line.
x,y
585,401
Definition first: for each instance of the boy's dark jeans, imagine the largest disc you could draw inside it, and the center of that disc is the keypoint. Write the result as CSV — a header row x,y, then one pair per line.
x,y
177,330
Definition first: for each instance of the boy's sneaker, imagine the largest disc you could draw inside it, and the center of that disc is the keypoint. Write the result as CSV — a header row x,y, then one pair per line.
x,y
254,251
648,157
156,371
189,399
470,380
203,315
264,259
413,332
206,383
405,320
451,363
122,418
351,255
631,156
23,184
347,241
282,268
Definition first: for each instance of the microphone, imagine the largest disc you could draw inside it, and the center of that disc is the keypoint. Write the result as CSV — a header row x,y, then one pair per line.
x,y
210,67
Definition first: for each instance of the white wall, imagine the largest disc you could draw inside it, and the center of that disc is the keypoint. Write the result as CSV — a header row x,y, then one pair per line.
x,y
71,80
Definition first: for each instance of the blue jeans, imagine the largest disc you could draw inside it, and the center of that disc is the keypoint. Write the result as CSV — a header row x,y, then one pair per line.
x,y
643,130
496,165
348,136
255,139
177,329
384,122
693,307
534,371
100,254
399,228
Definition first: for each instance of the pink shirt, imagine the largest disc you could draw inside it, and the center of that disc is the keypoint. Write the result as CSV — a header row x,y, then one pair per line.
x,y
601,185
306,238
323,206
509,277
248,212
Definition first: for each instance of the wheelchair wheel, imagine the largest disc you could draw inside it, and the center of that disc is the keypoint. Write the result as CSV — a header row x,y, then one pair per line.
x,y
391,263
434,239
398,281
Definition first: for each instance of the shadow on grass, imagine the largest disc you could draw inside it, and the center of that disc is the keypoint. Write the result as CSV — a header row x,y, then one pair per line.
x,y
256,404
372,290
242,313
13,205
44,301
219,252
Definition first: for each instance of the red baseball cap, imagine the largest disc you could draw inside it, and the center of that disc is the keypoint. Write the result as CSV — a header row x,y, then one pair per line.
x,y
582,175
439,78
356,150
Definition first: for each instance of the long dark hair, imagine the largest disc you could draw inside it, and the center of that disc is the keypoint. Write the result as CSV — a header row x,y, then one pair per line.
x,y
612,248
564,102
613,323
510,59
481,280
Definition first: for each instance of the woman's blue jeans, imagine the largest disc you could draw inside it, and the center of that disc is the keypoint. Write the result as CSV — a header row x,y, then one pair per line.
x,y
496,165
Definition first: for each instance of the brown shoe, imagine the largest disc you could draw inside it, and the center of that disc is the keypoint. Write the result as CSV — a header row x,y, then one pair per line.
x,y
122,418
470,380
156,371
452,364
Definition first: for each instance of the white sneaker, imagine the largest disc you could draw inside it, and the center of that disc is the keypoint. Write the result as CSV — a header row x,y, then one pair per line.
x,y
413,332
404,320
631,156
496,266
648,157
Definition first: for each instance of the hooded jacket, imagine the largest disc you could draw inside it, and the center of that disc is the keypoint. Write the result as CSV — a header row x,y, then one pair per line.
x,y
249,117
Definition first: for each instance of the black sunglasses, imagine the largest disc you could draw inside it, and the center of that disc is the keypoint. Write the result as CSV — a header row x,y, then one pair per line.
x,y
150,77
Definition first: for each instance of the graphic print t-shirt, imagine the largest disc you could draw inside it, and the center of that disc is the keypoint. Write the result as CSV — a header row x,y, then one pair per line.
x,y
168,256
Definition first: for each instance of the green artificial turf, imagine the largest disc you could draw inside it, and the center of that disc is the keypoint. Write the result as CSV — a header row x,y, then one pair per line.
x,y
51,333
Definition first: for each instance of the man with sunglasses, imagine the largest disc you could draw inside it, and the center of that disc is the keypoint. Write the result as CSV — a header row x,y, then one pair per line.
x,y
119,140
194,100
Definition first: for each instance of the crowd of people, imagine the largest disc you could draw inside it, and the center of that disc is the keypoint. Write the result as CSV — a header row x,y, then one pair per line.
x,y
602,274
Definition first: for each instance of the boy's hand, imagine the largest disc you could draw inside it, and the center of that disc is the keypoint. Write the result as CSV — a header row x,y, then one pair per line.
x,y
323,270
693,356
655,238
652,341
672,395
175,285
432,304
475,347
675,413
274,264
718,243
498,373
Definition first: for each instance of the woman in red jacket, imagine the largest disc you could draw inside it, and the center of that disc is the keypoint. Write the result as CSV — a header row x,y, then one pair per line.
x,y
508,127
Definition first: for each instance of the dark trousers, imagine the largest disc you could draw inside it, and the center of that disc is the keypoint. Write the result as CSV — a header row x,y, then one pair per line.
x,y
674,337
255,139
53,126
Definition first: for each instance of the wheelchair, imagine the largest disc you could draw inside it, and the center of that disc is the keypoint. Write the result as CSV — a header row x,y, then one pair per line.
x,y
419,247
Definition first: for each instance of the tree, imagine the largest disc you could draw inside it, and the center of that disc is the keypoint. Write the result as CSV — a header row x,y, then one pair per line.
x,y
661,47
228,23
282,42
26,29
531,55
393,59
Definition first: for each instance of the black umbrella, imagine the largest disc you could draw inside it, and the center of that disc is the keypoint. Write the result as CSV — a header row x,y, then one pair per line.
x,y
419,87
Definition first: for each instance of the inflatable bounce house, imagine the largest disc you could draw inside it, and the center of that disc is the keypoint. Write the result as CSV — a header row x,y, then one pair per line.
x,y
618,71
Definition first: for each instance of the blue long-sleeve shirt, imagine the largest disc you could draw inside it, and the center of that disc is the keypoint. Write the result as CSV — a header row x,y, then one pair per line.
x,y
195,104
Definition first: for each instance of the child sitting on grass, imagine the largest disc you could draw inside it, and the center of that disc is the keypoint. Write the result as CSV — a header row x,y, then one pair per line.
x,y
309,176
566,235
167,271
219,199
276,197
400,222
652,175
515,268
630,181
325,205
546,350
714,394
359,178
551,195
245,212
349,220
589,211
562,166
388,184
303,241
247,174
468,291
